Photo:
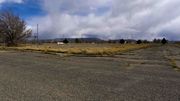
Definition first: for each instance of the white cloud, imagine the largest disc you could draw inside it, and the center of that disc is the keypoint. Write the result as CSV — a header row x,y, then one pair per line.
x,y
15,1
145,19
1,1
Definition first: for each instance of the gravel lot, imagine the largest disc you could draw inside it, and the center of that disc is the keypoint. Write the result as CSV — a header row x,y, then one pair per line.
x,y
141,75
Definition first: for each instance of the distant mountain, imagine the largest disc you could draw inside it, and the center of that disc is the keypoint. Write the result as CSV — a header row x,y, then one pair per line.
x,y
72,40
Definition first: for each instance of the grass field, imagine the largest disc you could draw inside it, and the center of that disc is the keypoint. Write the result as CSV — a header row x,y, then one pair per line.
x,y
83,49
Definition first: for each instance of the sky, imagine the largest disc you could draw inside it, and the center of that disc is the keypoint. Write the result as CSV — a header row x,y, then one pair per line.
x,y
105,19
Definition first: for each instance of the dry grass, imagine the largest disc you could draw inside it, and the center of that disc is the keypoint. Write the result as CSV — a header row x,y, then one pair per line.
x,y
174,65
85,49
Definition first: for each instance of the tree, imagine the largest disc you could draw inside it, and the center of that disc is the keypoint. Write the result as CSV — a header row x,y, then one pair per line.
x,y
65,41
139,42
157,41
122,41
145,41
13,29
77,40
109,41
164,41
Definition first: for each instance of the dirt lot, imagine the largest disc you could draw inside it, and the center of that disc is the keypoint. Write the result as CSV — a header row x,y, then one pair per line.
x,y
142,75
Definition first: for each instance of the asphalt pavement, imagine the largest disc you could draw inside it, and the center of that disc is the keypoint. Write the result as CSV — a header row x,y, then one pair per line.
x,y
150,74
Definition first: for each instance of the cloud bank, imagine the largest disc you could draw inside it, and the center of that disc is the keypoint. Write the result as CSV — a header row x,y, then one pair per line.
x,y
109,19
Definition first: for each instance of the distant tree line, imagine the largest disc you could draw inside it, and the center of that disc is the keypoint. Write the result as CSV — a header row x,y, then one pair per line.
x,y
121,41
163,41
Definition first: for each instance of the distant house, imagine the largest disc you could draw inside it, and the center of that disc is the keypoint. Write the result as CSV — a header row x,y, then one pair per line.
x,y
60,43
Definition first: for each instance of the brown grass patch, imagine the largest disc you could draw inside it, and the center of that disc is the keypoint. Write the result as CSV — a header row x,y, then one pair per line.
x,y
83,49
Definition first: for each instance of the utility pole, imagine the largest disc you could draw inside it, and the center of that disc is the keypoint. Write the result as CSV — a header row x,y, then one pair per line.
x,y
34,38
37,34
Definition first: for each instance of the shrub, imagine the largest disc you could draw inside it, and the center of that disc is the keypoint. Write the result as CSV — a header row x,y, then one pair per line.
x,y
122,41
164,41
139,42
65,41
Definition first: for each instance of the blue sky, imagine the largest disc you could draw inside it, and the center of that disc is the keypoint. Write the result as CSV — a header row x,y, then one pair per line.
x,y
105,19
26,9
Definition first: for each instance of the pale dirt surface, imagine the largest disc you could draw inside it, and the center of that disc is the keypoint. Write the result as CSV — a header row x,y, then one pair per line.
x,y
141,75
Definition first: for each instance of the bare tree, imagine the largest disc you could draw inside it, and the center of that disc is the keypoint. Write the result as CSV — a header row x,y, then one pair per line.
x,y
13,29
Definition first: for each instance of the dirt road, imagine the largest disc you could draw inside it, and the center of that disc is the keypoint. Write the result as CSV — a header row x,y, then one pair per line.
x,y
142,75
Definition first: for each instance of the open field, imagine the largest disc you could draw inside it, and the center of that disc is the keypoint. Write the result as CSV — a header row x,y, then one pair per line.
x,y
82,49
150,74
